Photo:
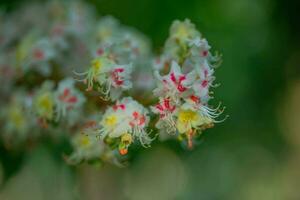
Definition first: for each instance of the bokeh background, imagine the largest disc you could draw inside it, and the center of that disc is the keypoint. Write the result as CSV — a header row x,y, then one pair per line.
x,y
253,155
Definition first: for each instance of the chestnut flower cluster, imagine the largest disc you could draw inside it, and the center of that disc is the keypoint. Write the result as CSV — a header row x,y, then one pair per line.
x,y
185,91
65,74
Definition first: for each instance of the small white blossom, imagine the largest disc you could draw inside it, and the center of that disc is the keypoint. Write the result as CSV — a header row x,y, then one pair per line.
x,y
87,146
126,120
67,99
36,55
174,85
44,103
111,79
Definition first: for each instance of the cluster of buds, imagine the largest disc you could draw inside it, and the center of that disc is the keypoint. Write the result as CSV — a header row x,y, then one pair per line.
x,y
183,96
40,53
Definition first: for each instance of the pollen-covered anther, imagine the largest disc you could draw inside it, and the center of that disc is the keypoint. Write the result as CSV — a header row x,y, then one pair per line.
x,y
123,151
126,140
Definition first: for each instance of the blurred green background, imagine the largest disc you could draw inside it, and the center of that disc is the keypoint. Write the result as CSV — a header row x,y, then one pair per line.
x,y
255,154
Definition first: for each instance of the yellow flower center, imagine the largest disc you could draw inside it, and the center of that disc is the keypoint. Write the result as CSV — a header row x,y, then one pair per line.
x,y
186,116
104,33
96,65
16,117
85,141
45,104
182,31
111,120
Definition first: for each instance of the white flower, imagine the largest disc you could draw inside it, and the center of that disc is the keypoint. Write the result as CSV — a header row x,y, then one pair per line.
x,y
17,120
181,34
87,146
67,98
166,111
108,30
36,54
183,30
199,48
204,81
111,78
175,85
126,120
43,102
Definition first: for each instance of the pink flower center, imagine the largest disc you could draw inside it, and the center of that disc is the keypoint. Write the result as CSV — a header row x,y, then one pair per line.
x,y
100,51
119,106
204,83
178,82
38,54
165,107
67,97
138,119
204,53
116,76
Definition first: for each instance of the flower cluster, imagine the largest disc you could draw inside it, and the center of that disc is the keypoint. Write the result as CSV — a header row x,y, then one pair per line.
x,y
119,50
126,122
57,59
52,105
40,107
183,97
